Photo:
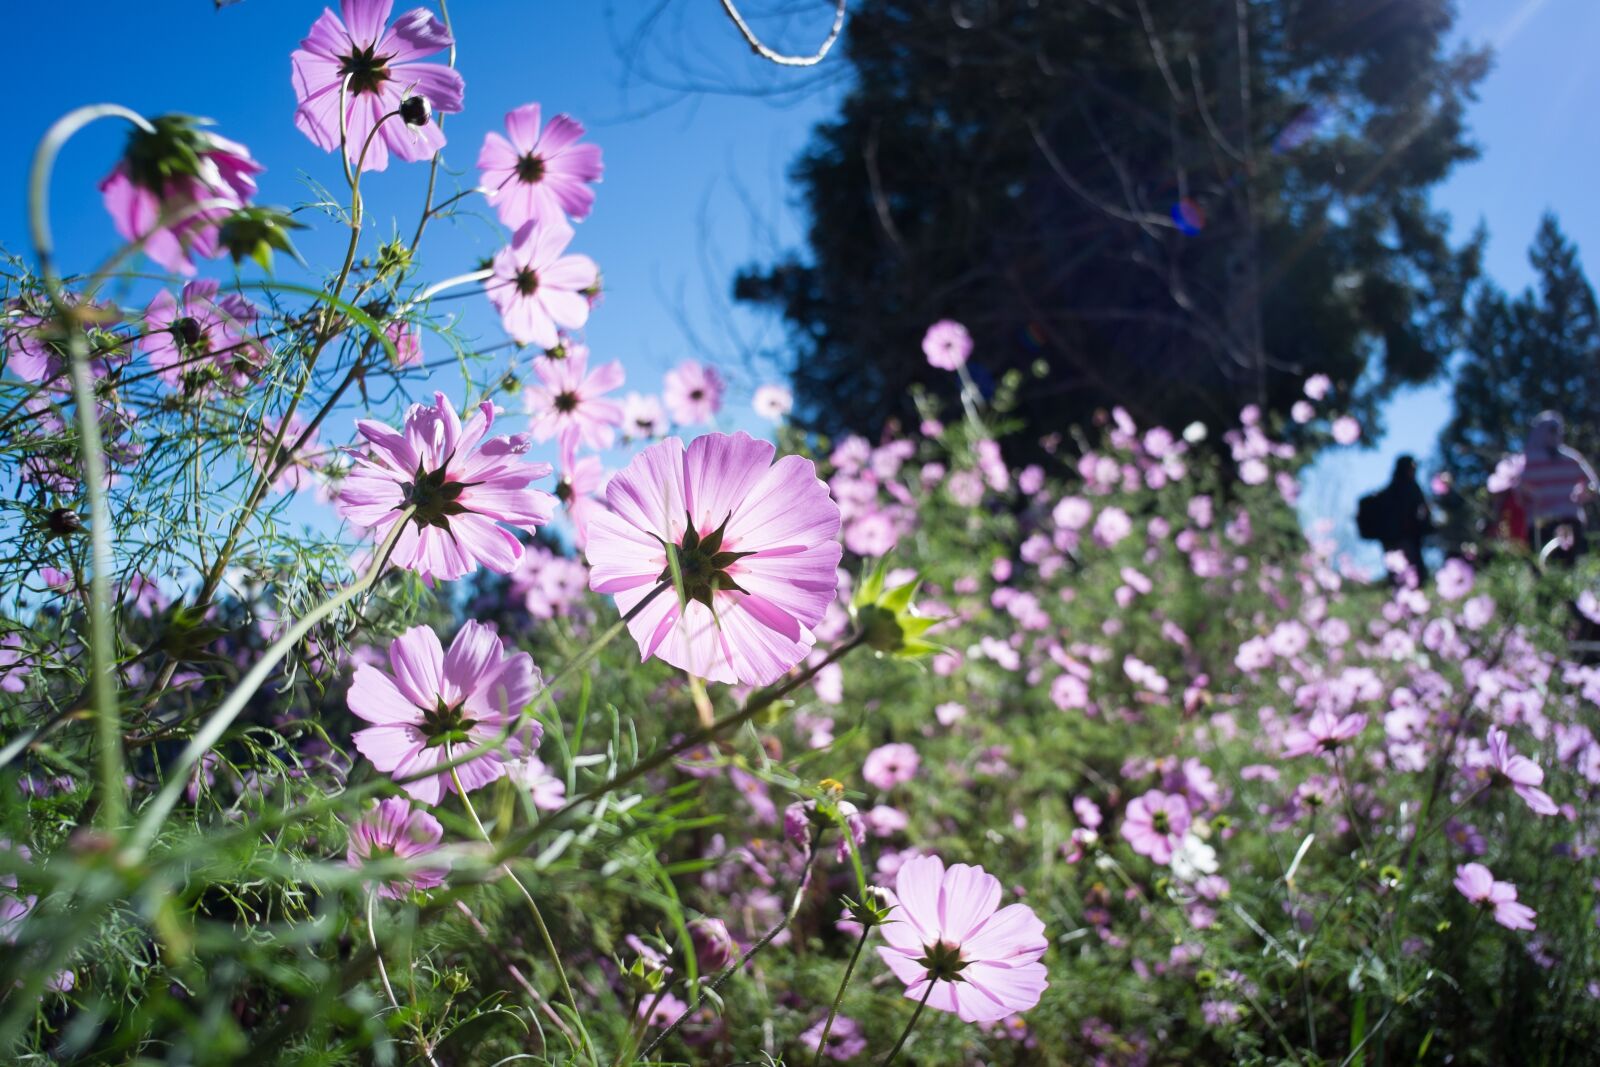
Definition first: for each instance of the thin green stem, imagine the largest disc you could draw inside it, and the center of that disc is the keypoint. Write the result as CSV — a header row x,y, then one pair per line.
x,y
533,908
898,1045
838,998
388,987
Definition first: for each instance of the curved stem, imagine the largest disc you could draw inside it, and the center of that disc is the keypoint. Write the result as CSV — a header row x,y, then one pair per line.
x,y
159,808
923,1003
838,998
533,908
102,638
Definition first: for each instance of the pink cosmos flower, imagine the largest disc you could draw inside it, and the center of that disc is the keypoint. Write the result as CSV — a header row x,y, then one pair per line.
x,y
569,400
1323,732
380,62
201,337
391,830
547,792
536,288
580,481
1155,823
539,177
436,700
1346,430
461,485
948,928
947,344
1524,776
407,341
693,393
178,216
889,765
1317,386
299,472
773,402
1454,579
755,545
1478,885
642,417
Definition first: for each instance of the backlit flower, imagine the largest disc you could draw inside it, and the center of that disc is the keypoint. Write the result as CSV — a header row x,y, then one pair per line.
x,y
536,288
890,765
643,417
773,402
693,392
461,485
202,338
1523,775
380,63
569,399
755,547
391,830
539,176
1323,732
173,188
948,928
460,701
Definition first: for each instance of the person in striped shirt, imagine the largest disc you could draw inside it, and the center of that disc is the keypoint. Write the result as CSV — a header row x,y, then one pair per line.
x,y
1556,486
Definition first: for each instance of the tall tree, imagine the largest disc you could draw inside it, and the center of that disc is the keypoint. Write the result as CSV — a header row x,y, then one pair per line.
x,y
1178,205
1524,355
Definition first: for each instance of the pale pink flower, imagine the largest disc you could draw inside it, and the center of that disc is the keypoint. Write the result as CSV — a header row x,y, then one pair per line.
x,y
461,485
461,701
643,418
1454,579
1317,386
380,63
1154,824
547,792
296,474
773,402
580,480
948,928
1323,732
407,341
539,176
947,344
1346,430
1302,412
846,1040
569,400
391,830
890,765
1523,775
756,547
179,216
536,288
1477,884
693,392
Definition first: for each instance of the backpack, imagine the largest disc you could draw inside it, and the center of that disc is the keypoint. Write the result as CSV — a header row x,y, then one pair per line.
x,y
1373,520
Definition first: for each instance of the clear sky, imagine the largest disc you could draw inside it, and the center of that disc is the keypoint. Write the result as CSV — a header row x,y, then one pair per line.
x,y
696,183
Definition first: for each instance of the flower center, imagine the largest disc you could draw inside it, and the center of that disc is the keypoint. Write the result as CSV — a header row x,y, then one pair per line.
x,y
697,394
1159,822
187,331
366,70
566,403
446,725
703,564
943,961
435,497
527,281
530,169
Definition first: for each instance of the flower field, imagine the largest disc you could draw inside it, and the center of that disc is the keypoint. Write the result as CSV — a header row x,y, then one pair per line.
x,y
336,727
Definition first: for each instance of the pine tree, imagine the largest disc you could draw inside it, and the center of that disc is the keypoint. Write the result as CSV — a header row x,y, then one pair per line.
x,y
1539,351
1182,206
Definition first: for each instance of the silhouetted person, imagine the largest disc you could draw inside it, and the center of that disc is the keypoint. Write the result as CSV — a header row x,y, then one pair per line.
x,y
1398,516
1557,483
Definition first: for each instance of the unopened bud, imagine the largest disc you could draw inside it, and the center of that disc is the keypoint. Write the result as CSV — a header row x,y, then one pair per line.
x,y
416,111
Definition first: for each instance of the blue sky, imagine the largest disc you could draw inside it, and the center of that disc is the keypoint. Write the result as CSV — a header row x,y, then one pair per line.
x,y
696,183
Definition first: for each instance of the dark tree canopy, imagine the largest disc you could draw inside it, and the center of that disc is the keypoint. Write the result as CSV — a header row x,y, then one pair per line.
x,y
1091,184
1524,355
